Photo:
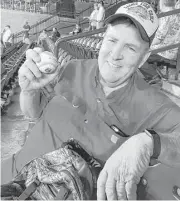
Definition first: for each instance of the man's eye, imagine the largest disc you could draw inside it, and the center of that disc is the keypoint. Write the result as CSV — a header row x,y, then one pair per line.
x,y
131,48
111,40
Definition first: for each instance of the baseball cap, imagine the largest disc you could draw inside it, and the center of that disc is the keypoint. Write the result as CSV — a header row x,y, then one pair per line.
x,y
142,15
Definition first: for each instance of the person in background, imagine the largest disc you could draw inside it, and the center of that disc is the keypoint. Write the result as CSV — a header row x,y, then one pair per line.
x,y
76,30
100,15
26,29
42,36
55,34
7,36
93,18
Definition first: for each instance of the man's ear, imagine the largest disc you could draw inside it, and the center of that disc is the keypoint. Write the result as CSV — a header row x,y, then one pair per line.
x,y
145,58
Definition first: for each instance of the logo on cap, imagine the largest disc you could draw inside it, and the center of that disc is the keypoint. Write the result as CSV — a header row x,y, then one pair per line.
x,y
142,10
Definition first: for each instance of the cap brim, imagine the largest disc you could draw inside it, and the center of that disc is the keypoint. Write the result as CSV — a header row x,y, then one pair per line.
x,y
142,31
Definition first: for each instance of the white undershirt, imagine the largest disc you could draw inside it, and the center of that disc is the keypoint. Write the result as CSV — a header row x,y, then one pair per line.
x,y
107,90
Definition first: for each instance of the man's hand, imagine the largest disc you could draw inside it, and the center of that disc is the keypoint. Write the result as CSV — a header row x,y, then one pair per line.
x,y
31,76
122,172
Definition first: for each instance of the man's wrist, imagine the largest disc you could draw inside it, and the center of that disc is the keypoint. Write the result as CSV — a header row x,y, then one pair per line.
x,y
156,143
29,92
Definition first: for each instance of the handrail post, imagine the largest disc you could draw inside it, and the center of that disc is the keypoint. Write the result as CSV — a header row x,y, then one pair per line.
x,y
35,7
13,4
13,39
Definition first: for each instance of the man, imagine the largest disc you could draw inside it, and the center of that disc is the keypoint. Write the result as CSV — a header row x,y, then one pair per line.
x,y
42,36
7,36
100,15
76,30
26,29
103,104
93,18
55,34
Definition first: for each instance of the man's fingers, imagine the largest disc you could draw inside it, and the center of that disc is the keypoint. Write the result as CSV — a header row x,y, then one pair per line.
x,y
101,194
28,76
111,188
38,49
33,55
24,73
131,190
33,68
120,189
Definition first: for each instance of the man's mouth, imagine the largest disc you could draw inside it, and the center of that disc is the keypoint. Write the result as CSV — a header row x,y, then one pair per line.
x,y
113,65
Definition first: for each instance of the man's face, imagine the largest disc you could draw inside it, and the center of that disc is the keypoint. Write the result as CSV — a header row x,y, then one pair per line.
x,y
121,53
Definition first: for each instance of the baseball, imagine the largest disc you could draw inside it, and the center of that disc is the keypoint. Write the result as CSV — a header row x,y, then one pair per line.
x,y
48,63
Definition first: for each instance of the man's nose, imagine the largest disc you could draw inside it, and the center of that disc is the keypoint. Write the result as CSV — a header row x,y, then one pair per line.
x,y
117,52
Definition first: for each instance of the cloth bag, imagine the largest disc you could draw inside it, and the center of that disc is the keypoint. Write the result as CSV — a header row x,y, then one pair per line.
x,y
68,173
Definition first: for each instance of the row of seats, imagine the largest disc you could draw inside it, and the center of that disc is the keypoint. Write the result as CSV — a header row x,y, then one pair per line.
x,y
92,43
8,91
64,57
11,61
10,51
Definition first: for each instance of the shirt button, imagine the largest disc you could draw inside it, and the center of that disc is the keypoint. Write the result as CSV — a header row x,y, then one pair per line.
x,y
86,121
98,100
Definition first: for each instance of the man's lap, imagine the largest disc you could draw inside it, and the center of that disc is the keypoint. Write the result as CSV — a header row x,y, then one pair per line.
x,y
54,128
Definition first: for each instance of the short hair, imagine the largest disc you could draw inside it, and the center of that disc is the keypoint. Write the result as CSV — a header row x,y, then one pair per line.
x,y
122,20
8,26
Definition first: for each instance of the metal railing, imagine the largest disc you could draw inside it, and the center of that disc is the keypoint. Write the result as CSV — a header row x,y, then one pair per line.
x,y
54,20
84,23
61,42
174,12
37,28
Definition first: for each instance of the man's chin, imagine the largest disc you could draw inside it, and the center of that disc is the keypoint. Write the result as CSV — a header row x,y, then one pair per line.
x,y
112,83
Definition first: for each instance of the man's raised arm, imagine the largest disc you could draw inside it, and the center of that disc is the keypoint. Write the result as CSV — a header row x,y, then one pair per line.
x,y
35,76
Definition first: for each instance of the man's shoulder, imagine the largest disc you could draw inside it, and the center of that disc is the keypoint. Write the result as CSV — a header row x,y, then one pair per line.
x,y
89,63
84,64
76,72
79,67
149,94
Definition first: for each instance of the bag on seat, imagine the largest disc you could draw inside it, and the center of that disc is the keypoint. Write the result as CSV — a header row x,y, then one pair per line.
x,y
68,173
